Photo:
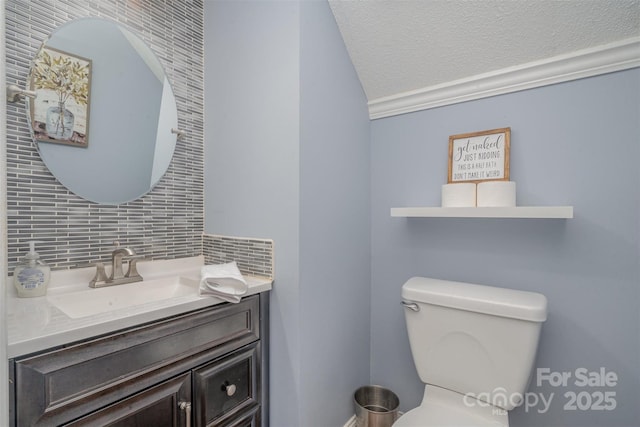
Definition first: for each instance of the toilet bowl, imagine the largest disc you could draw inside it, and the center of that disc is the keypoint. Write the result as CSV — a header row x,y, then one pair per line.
x,y
446,408
474,348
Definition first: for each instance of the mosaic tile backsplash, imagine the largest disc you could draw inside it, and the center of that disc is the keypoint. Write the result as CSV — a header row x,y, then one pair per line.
x,y
253,256
166,223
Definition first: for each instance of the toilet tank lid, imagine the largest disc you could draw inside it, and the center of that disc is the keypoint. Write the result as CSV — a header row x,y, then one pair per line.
x,y
503,302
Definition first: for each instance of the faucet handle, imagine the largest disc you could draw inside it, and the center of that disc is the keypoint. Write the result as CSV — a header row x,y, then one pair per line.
x,y
100,275
133,266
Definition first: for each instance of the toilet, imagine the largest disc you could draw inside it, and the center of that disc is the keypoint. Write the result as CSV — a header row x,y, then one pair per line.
x,y
474,347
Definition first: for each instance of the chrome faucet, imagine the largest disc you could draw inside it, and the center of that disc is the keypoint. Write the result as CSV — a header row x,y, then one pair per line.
x,y
117,277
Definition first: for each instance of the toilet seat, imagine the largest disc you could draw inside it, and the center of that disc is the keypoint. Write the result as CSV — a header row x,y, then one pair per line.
x,y
445,408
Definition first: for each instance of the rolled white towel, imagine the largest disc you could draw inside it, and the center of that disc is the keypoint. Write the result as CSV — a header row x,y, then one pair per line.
x,y
223,281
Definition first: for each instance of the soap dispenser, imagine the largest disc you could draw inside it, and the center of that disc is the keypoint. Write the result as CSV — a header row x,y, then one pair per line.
x,y
31,275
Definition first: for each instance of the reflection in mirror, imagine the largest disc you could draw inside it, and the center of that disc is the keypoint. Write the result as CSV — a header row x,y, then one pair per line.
x,y
126,123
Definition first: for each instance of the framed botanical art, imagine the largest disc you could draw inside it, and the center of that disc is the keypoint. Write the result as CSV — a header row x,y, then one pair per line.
x,y
60,111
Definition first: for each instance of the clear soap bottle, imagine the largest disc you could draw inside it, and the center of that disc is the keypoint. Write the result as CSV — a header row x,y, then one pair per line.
x,y
31,275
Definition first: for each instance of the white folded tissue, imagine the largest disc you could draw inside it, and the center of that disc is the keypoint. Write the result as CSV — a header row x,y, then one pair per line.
x,y
223,281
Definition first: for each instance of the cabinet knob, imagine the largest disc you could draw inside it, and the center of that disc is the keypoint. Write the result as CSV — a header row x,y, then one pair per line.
x,y
229,388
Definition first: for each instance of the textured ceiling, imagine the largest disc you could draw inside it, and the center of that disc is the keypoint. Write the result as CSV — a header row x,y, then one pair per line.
x,y
403,45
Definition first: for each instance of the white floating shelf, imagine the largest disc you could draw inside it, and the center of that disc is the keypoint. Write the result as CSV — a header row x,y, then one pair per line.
x,y
561,212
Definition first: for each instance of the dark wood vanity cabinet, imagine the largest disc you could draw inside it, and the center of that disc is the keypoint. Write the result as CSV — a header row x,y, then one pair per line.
x,y
203,368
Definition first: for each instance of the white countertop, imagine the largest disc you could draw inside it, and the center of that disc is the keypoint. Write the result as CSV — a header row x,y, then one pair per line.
x,y
35,324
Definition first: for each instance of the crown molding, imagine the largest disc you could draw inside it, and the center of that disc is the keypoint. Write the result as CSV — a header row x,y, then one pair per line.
x,y
590,62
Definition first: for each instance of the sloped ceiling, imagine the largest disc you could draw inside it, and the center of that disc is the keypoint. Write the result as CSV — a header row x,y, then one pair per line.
x,y
399,46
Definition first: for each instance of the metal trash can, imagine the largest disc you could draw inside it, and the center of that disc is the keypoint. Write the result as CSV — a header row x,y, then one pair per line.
x,y
376,406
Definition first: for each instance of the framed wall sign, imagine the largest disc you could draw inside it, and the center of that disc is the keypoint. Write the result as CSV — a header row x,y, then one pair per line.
x,y
479,156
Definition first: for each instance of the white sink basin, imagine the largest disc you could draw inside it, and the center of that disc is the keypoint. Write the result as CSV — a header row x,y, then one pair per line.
x,y
89,301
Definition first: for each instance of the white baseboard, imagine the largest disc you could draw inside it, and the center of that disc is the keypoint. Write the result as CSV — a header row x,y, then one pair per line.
x,y
351,422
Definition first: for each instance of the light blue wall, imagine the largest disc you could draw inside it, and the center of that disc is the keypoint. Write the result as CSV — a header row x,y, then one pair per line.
x,y
286,158
334,223
574,144
252,159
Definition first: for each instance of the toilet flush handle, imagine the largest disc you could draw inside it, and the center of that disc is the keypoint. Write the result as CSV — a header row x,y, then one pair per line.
x,y
411,305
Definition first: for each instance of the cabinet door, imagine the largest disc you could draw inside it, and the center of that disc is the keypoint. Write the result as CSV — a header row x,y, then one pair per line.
x,y
249,420
165,405
227,390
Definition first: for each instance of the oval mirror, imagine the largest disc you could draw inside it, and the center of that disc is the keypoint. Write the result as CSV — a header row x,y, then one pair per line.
x,y
104,113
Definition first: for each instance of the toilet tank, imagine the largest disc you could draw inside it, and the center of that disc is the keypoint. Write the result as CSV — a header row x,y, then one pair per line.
x,y
476,340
